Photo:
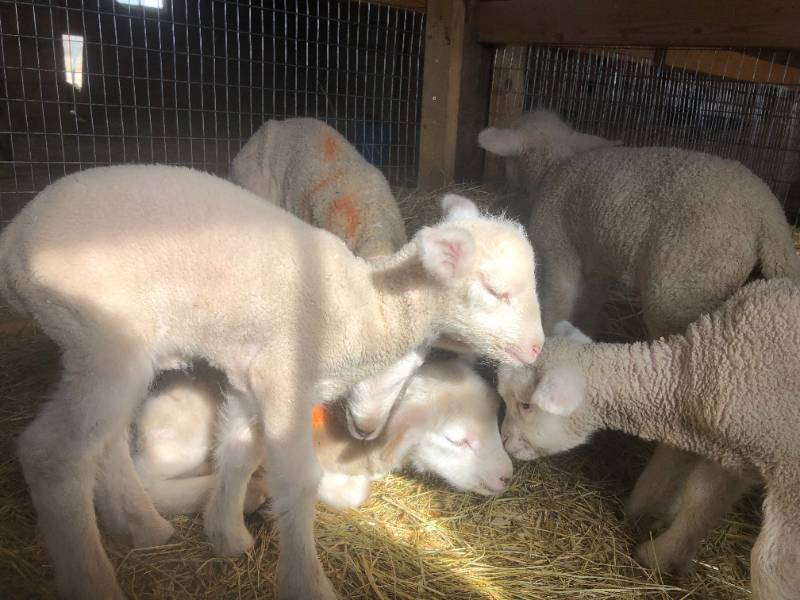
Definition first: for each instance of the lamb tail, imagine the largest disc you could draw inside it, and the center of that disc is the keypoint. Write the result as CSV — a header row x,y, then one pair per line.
x,y
776,252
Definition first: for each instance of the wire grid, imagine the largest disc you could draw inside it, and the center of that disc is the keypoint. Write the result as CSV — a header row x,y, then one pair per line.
x,y
187,82
748,109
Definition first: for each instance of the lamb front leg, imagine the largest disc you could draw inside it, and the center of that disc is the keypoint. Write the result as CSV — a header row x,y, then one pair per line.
x,y
293,475
561,285
122,503
653,501
707,495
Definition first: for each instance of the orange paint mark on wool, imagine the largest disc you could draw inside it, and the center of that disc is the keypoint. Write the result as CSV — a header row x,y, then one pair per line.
x,y
325,182
344,214
330,147
318,416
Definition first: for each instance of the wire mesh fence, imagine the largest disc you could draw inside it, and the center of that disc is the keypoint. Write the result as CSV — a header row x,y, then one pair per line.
x,y
97,82
741,104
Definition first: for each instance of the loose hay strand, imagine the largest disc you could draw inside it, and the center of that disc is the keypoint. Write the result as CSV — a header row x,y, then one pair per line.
x,y
556,534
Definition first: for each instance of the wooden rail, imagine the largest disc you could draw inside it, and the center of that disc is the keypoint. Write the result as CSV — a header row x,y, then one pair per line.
x,y
696,23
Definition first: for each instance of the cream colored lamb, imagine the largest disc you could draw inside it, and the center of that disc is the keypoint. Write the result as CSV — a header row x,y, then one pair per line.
x,y
308,168
683,229
728,390
311,170
136,269
445,424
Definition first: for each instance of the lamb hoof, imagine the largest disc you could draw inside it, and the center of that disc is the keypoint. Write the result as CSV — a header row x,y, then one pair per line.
x,y
304,586
231,543
256,496
99,582
156,533
652,555
643,523
361,431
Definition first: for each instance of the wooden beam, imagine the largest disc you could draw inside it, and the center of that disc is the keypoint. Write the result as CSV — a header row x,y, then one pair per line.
x,y
417,5
473,110
508,97
696,23
441,89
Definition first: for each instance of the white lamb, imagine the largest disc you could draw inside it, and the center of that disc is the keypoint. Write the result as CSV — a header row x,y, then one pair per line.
x,y
311,170
308,168
728,390
683,229
445,423
135,269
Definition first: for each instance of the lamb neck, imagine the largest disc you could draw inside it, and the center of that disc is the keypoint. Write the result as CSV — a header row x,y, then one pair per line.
x,y
634,387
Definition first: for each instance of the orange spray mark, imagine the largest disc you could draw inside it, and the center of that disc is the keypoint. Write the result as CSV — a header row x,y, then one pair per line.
x,y
344,211
318,416
330,147
325,182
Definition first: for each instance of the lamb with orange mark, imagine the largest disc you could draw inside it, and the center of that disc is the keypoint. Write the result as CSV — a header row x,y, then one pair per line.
x,y
313,172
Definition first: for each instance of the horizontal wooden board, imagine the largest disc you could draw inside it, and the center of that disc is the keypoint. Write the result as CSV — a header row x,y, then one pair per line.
x,y
697,23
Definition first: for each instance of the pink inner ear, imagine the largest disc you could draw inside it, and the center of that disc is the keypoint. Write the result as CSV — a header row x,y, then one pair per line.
x,y
452,252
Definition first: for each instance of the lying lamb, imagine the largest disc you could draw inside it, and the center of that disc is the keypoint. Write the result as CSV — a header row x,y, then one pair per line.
x,y
308,168
728,390
683,229
115,264
446,424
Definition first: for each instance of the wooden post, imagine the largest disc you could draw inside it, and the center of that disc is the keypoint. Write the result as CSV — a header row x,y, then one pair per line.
x,y
455,95
441,87
473,110
508,97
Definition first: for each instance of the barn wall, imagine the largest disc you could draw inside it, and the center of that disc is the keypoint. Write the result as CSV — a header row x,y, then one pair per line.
x,y
187,82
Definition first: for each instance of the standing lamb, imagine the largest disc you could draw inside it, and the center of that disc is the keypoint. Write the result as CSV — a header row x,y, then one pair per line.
x,y
311,170
308,168
728,390
115,263
683,229
445,423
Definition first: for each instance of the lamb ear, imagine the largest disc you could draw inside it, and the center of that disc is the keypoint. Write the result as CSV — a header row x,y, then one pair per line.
x,y
446,252
567,330
458,207
403,422
560,392
503,142
583,142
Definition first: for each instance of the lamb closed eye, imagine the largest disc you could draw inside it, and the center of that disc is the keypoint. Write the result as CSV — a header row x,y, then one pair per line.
x,y
462,443
502,296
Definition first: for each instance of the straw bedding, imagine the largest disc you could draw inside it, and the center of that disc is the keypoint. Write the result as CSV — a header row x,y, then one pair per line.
x,y
557,533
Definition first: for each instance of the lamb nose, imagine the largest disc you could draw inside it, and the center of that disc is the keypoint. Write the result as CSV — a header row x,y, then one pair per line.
x,y
536,350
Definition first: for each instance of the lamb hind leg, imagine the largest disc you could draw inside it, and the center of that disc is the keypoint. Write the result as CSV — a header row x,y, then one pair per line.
x,y
775,559
59,454
708,494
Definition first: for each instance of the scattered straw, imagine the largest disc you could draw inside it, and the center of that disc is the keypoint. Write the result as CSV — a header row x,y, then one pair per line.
x,y
557,533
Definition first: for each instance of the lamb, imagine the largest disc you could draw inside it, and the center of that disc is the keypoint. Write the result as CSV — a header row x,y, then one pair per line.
x,y
445,424
114,264
308,168
311,170
727,389
683,230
